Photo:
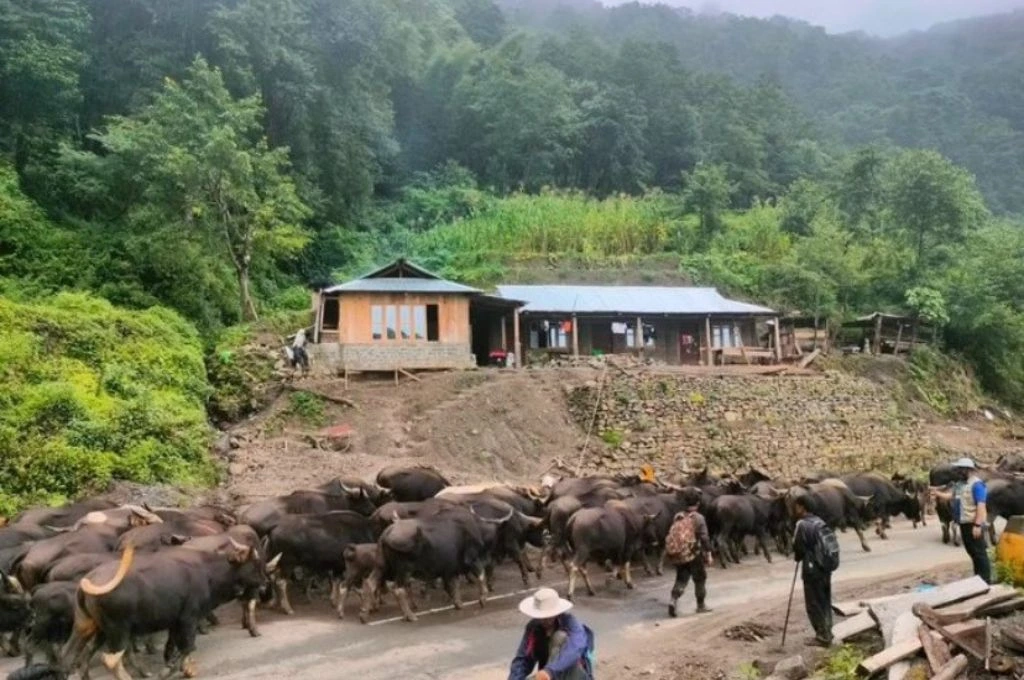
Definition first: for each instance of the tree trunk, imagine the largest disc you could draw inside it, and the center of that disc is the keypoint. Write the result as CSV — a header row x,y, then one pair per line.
x,y
248,304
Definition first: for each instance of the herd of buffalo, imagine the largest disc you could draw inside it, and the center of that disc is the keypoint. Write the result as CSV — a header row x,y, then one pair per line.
x,y
94,577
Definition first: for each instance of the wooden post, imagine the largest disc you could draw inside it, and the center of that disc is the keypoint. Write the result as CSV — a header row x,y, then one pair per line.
x,y
707,339
575,337
777,333
878,335
639,336
815,345
520,356
504,333
899,336
318,317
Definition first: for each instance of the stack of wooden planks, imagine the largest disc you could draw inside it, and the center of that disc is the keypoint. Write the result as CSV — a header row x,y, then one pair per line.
x,y
949,625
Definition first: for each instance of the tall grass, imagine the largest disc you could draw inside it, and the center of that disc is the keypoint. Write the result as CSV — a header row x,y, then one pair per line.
x,y
559,222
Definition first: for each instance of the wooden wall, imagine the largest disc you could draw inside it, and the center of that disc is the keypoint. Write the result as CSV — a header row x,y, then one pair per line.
x,y
355,321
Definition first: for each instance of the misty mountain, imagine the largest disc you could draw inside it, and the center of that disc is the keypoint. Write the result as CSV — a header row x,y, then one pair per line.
x,y
957,87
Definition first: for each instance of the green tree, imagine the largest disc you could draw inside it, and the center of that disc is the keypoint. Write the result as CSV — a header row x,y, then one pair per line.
x,y
611,140
517,122
41,57
706,192
202,169
932,202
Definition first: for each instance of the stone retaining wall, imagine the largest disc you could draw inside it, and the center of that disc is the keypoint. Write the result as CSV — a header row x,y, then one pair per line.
x,y
784,425
327,359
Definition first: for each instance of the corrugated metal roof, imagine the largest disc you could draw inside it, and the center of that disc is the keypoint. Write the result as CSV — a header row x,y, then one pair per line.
x,y
627,300
404,285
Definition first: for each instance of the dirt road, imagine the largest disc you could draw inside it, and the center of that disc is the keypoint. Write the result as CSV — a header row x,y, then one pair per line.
x,y
477,644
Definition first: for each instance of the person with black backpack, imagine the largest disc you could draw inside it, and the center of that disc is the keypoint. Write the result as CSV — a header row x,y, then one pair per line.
x,y
816,548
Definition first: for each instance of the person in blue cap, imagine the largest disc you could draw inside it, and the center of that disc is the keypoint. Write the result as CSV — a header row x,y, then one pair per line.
x,y
969,497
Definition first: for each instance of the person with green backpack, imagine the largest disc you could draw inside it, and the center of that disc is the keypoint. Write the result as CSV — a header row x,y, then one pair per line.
x,y
816,548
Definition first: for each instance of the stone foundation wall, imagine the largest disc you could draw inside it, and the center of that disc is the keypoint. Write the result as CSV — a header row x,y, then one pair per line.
x,y
329,359
784,425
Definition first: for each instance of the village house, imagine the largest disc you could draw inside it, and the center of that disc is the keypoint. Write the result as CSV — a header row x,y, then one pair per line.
x,y
402,317
676,325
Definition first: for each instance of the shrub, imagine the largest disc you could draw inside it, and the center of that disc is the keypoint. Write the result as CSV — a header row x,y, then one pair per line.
x,y
95,393
307,407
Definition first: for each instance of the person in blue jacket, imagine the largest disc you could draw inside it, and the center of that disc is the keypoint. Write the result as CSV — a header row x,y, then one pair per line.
x,y
970,510
554,642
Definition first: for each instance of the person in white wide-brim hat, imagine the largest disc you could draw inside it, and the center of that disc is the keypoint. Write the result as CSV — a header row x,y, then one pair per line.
x,y
554,642
969,499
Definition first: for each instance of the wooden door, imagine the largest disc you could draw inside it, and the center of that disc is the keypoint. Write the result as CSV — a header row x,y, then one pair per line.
x,y
689,346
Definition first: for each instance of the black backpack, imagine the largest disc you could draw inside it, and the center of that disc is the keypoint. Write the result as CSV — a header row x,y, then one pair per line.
x,y
824,552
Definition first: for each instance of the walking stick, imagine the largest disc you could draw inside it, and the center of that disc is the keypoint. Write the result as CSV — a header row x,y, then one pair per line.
x,y
789,606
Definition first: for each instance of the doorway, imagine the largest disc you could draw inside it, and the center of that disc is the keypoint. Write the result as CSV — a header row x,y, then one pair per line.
x,y
689,346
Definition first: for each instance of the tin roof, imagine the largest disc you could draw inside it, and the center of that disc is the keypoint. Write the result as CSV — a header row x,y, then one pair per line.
x,y
403,285
628,300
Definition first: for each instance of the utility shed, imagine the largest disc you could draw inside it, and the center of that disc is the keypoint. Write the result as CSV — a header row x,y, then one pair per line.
x,y
402,317
677,325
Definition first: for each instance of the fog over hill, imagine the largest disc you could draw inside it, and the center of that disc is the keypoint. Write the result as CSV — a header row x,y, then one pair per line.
x,y
880,17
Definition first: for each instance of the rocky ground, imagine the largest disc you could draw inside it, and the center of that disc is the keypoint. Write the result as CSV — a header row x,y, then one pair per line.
x,y
504,425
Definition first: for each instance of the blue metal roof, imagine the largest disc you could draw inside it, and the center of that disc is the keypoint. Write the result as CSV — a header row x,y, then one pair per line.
x,y
402,285
628,300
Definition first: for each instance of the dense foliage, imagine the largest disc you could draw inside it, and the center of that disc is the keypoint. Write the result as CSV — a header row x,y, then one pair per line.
x,y
215,156
94,393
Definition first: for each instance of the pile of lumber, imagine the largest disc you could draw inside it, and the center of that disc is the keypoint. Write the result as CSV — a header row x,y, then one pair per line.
x,y
949,625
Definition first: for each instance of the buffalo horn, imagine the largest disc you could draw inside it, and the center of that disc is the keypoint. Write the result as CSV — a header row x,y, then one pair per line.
x,y
504,519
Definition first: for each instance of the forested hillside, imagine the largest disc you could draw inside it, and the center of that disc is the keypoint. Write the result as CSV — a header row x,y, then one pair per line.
x,y
217,156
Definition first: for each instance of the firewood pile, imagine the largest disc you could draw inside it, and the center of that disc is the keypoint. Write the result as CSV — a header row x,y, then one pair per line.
x,y
947,631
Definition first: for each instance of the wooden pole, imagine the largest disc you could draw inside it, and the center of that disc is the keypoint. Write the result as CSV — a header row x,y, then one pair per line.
x,y
778,345
520,356
319,317
504,333
707,341
878,335
575,337
639,336
899,336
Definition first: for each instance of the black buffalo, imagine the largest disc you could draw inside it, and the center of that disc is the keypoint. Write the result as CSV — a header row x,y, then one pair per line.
x,y
887,500
64,516
36,563
412,483
171,590
445,545
53,613
316,544
731,518
615,533
512,529
835,504
265,515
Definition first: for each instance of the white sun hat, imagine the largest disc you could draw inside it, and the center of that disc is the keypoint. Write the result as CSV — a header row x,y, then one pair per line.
x,y
544,604
965,463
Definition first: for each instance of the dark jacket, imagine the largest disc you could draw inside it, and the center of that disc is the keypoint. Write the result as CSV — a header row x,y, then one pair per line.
x,y
804,540
533,650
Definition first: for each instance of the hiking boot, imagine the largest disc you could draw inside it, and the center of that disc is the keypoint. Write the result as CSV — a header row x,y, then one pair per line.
x,y
672,609
704,609
818,642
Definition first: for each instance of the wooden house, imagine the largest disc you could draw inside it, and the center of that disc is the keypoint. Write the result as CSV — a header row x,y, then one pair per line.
x,y
402,317
676,325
